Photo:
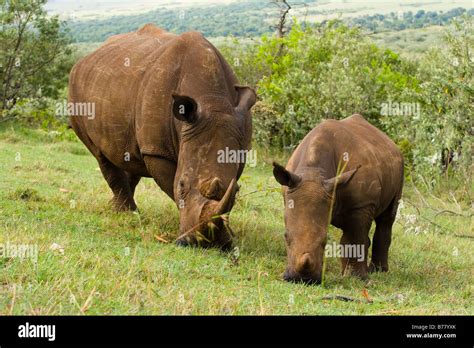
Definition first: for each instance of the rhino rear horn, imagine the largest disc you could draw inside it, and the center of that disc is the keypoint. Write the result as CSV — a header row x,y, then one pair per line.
x,y
225,204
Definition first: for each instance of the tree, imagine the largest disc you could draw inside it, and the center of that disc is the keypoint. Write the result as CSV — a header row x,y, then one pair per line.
x,y
284,9
35,56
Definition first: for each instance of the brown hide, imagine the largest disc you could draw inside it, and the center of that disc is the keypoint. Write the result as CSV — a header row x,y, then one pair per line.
x,y
368,189
137,82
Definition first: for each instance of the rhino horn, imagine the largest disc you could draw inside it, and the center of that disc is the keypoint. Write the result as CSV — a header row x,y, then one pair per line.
x,y
225,204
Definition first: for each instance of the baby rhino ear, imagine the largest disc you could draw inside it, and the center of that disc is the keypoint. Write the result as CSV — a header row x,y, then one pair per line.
x,y
285,177
340,180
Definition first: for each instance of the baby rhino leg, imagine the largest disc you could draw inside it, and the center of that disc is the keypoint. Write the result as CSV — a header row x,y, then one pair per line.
x,y
355,243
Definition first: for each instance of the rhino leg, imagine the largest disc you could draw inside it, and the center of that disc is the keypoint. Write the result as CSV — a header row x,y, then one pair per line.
x,y
120,183
383,238
356,236
163,172
133,181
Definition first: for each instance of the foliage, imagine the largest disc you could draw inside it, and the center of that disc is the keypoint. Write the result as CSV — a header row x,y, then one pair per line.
x,y
244,58
242,19
110,264
317,71
326,71
38,112
35,58
446,98
237,18
333,71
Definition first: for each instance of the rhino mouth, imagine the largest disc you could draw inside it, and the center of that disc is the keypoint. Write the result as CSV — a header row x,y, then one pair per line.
x,y
213,227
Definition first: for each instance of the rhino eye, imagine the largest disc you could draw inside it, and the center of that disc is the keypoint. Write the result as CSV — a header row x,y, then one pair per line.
x,y
287,237
181,190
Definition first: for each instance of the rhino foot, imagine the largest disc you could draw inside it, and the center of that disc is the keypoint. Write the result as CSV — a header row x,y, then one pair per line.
x,y
377,267
121,205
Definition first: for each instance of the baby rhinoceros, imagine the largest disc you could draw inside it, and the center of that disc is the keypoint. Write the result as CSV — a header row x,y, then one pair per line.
x,y
368,188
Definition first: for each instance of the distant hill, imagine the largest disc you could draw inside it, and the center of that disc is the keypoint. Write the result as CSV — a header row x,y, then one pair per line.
x,y
93,9
253,18
238,19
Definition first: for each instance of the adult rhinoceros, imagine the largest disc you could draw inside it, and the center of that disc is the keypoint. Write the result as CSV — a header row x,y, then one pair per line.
x,y
165,105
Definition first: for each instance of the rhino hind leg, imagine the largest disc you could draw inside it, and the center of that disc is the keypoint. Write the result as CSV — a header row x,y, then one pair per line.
x,y
121,183
383,238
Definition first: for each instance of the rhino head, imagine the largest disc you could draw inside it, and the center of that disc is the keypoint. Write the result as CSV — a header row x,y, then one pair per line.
x,y
204,187
307,198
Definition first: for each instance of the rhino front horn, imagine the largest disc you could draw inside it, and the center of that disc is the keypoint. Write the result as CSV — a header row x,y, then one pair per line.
x,y
226,203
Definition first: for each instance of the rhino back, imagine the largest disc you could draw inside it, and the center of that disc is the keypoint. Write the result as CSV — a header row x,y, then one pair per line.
x,y
131,78
370,147
380,176
110,78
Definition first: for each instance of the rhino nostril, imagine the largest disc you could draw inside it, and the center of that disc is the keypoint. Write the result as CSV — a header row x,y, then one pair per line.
x,y
288,276
295,277
182,242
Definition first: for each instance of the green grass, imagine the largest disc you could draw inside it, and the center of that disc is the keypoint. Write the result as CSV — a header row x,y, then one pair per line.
x,y
51,191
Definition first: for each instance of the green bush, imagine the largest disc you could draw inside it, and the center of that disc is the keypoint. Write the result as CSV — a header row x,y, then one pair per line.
x,y
326,71
446,99
333,71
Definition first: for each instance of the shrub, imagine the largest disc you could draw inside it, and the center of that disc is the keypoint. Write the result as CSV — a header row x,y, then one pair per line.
x,y
332,71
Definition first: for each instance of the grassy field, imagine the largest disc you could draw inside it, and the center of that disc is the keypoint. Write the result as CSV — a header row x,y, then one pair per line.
x,y
412,42
94,261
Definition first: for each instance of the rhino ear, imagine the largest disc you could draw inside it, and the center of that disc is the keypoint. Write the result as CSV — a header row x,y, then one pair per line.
x,y
285,177
340,180
246,98
184,108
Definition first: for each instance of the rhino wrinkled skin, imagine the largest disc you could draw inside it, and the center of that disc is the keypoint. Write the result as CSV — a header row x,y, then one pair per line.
x,y
165,105
368,189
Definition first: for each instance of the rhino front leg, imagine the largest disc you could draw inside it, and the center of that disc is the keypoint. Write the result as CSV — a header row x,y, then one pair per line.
x,y
120,183
133,181
355,245
162,171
